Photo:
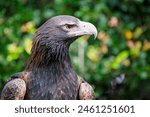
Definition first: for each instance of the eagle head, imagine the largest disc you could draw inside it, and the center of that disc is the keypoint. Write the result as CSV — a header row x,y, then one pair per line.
x,y
66,28
52,40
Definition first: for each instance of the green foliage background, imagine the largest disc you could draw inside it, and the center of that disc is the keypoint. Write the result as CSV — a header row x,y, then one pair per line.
x,y
121,48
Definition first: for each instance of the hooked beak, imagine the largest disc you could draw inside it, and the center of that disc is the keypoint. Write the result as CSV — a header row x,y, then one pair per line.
x,y
85,28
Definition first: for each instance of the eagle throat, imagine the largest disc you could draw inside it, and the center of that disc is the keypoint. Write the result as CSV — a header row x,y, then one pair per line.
x,y
51,69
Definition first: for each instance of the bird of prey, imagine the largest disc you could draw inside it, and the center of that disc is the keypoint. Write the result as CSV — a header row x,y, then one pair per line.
x,y
49,74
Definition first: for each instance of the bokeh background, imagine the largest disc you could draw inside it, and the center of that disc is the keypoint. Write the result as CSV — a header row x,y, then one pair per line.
x,y
117,63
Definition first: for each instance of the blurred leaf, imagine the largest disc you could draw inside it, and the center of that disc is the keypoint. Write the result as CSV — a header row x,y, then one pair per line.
x,y
128,35
28,27
137,32
135,50
146,45
28,45
119,59
93,54
13,52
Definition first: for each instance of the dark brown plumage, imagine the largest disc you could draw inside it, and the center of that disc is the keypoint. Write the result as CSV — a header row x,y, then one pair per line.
x,y
49,73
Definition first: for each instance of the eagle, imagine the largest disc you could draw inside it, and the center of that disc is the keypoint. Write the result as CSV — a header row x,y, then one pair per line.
x,y
49,74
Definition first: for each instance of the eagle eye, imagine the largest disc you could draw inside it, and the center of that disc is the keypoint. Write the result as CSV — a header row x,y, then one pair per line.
x,y
69,26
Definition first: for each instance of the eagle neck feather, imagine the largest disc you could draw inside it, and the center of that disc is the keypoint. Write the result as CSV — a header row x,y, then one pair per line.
x,y
51,71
